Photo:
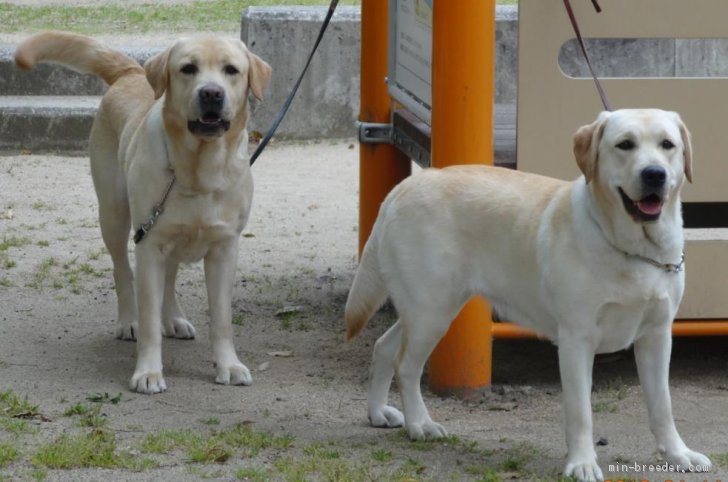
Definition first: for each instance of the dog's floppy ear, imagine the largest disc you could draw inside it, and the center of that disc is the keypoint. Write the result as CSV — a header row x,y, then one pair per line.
x,y
586,146
687,149
258,75
157,72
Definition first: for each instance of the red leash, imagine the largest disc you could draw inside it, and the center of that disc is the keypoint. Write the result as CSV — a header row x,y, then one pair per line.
x,y
575,25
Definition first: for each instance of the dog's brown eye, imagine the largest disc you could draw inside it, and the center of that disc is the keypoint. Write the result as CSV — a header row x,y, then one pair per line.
x,y
667,144
231,70
189,69
626,145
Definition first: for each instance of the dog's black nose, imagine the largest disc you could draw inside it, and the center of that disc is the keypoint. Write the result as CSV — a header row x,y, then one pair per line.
x,y
653,176
211,97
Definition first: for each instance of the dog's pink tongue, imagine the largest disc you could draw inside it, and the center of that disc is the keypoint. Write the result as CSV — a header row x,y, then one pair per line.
x,y
650,207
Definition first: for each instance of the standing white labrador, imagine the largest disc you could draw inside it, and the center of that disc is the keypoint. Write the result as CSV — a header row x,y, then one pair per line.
x,y
186,117
594,265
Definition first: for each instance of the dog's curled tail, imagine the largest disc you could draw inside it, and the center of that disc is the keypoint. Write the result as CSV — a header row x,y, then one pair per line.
x,y
78,52
367,292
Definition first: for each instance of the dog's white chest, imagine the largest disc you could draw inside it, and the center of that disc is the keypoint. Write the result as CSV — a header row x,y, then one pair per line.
x,y
619,324
196,224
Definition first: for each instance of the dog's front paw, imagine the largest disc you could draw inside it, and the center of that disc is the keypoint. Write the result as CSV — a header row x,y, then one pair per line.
x,y
180,328
148,382
584,470
687,460
427,430
385,416
233,374
127,331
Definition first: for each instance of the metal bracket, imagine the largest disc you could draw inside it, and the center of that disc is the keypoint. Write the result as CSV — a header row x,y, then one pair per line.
x,y
372,133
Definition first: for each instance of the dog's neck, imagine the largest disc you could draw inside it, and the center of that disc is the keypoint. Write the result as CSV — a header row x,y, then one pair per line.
x,y
661,241
204,166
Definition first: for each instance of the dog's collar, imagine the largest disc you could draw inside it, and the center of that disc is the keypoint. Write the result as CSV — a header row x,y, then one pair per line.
x,y
669,267
158,208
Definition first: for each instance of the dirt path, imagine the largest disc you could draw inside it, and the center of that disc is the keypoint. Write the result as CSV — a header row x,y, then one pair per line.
x,y
297,255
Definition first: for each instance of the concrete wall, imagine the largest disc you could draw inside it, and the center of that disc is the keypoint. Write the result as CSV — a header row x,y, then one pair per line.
x,y
327,104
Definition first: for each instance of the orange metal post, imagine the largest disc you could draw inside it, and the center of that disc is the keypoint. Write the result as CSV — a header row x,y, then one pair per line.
x,y
381,166
679,328
462,133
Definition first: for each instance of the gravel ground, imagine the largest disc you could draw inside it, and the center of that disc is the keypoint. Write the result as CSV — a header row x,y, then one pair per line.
x,y
297,261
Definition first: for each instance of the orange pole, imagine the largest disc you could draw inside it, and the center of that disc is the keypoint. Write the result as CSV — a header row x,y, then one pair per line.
x,y
679,328
462,133
381,166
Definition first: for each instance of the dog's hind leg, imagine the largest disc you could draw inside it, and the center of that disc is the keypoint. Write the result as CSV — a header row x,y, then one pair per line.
x,y
174,321
421,333
115,222
380,379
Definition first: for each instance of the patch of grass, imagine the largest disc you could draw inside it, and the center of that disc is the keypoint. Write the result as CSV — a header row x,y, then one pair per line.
x,y
11,405
77,409
38,475
13,242
243,437
95,255
5,283
209,450
604,406
517,456
254,474
16,426
484,474
167,440
286,319
314,468
720,460
210,421
426,445
8,453
381,455
43,243
42,206
42,273
94,418
94,449
238,319
214,15
215,447
320,451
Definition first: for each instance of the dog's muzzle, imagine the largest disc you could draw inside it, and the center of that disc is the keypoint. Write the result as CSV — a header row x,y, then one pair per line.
x,y
211,99
649,207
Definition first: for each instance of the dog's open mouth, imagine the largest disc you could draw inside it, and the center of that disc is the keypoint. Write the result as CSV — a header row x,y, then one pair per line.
x,y
210,124
647,209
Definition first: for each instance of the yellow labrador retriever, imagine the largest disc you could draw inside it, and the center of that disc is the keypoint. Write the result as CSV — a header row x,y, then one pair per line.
x,y
170,139
594,265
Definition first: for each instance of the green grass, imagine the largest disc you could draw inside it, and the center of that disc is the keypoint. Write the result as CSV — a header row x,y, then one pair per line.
x,y
8,453
11,405
94,449
13,242
215,15
215,447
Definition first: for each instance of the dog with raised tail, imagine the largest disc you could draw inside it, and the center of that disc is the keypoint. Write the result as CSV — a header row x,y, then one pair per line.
x,y
169,159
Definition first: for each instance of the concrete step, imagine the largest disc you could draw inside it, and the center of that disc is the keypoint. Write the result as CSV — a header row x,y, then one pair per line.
x,y
46,123
62,124
53,79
